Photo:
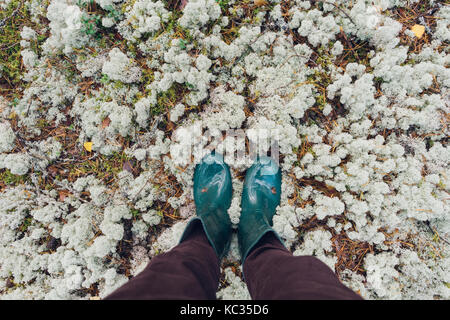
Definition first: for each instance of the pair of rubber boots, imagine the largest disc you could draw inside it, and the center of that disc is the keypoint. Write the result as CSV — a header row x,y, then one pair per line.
x,y
213,193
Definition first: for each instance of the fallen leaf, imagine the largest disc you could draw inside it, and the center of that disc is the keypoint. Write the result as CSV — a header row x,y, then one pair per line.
x,y
9,283
418,30
127,166
53,244
259,3
106,122
170,125
183,4
88,146
53,171
63,194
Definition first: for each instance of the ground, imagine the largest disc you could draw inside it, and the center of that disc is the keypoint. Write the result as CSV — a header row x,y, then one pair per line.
x,y
100,101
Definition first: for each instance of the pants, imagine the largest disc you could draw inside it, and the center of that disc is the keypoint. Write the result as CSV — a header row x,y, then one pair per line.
x,y
191,270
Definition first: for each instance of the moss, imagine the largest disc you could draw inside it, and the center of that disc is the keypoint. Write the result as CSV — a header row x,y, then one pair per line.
x,y
132,48
26,224
104,79
135,213
126,5
172,24
183,33
148,76
42,124
429,143
359,53
321,80
15,17
118,84
321,101
168,99
378,80
12,179
105,168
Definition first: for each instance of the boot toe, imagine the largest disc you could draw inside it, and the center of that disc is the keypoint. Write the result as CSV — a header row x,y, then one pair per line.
x,y
212,182
262,185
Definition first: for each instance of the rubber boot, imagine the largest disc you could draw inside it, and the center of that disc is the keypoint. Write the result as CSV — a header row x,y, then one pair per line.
x,y
212,196
260,198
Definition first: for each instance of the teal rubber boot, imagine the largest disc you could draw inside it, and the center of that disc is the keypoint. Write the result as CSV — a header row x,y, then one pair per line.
x,y
260,197
212,196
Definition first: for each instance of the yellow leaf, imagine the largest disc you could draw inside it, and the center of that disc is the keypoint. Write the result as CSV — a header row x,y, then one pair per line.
x,y
88,146
418,30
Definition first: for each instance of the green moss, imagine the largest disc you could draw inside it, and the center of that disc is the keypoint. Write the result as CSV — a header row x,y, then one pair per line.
x,y
105,168
441,185
147,76
118,84
105,79
132,48
429,143
26,224
321,101
135,213
12,179
360,54
378,80
11,68
223,4
42,123
321,80
185,33
166,100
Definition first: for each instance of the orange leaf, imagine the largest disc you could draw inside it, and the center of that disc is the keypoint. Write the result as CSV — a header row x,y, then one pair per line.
x,y
106,122
63,194
260,3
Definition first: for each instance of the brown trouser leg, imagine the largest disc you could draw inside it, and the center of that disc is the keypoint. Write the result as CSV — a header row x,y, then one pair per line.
x,y
189,271
273,273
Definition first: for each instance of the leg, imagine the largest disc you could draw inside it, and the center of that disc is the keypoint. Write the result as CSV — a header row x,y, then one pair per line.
x,y
273,273
188,271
